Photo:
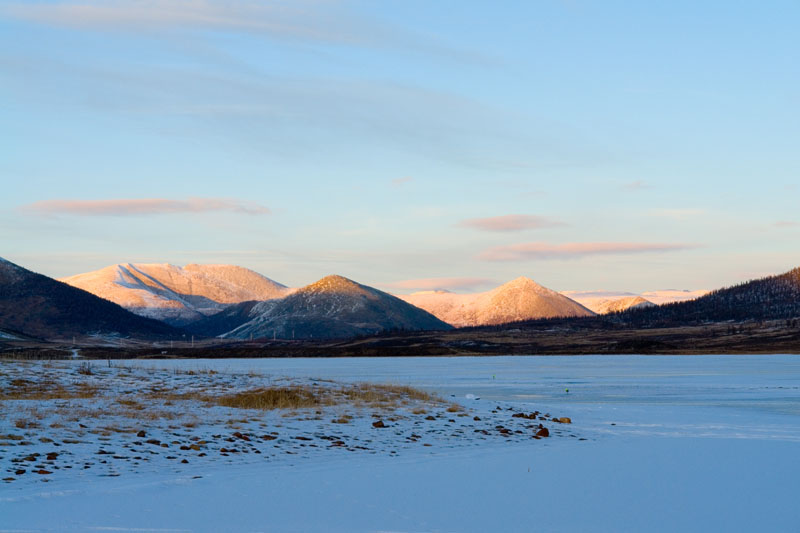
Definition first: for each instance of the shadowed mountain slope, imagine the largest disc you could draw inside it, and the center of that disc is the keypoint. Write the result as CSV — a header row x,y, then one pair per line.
x,y
333,307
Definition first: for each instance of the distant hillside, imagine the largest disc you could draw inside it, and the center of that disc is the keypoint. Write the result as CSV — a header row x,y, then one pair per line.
x,y
519,299
333,307
621,304
42,307
774,297
177,295
600,301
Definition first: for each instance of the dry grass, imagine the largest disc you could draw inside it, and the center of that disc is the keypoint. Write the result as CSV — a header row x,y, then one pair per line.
x,y
291,397
48,389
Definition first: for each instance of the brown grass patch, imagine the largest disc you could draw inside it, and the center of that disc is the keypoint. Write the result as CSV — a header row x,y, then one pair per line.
x,y
291,397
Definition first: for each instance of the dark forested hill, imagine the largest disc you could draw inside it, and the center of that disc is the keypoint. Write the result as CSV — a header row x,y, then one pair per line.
x,y
774,297
42,307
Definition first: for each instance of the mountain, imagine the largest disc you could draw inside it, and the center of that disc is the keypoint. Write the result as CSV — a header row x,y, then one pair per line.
x,y
671,296
333,307
36,305
519,299
770,298
602,302
621,304
177,295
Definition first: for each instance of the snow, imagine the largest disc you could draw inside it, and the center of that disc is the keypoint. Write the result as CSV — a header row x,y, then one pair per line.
x,y
673,444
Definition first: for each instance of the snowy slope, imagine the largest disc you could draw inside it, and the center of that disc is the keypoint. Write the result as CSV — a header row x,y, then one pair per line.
x,y
519,299
174,294
602,302
622,304
333,307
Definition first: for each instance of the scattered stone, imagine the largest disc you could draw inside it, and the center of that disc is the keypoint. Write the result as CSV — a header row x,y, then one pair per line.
x,y
543,432
141,434
378,424
42,471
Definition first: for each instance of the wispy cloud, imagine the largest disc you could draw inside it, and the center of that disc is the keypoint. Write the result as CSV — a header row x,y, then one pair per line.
x,y
636,185
427,284
510,223
682,213
305,21
787,224
143,206
300,19
573,250
399,182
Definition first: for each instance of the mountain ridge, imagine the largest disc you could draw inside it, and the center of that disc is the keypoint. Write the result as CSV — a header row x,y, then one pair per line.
x,y
174,294
332,307
514,301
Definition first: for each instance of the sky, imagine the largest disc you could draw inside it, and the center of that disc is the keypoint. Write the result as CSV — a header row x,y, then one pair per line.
x,y
406,144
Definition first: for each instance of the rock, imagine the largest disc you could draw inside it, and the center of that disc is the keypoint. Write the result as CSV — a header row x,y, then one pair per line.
x,y
544,432
430,417
42,472
476,418
564,420
141,434
378,424
19,472
153,441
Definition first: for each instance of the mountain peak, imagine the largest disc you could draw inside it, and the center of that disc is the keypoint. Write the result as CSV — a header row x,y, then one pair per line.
x,y
175,294
335,283
521,282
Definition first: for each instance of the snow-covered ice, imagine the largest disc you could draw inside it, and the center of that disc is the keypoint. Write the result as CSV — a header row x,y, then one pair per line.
x,y
689,443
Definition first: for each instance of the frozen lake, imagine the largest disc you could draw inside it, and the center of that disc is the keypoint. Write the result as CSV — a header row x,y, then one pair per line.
x,y
691,443
711,396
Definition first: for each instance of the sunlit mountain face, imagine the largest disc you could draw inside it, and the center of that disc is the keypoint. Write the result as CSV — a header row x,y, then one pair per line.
x,y
177,295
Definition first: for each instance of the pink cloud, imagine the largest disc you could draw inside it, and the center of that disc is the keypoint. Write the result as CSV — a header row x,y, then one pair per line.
x,y
509,223
144,206
573,250
429,284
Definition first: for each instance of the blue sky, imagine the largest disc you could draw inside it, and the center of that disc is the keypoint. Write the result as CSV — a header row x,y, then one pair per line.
x,y
407,145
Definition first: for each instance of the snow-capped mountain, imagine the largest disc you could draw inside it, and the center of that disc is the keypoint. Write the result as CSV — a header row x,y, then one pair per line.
x,y
621,304
519,299
602,302
177,295
333,307
35,305
669,296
